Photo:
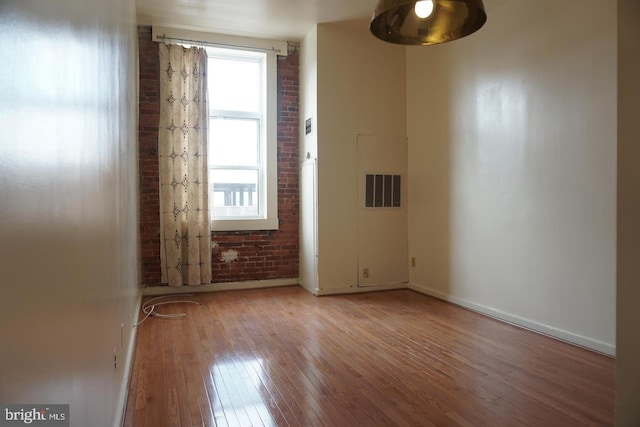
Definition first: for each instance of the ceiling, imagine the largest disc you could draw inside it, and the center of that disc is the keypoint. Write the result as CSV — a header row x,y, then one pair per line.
x,y
276,19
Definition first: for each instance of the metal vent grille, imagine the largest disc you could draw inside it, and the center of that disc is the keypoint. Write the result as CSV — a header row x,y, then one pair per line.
x,y
382,191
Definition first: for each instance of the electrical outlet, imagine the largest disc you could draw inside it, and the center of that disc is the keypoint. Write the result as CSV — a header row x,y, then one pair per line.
x,y
115,358
413,261
365,273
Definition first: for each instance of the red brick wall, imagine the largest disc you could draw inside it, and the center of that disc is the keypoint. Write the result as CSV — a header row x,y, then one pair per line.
x,y
261,254
149,115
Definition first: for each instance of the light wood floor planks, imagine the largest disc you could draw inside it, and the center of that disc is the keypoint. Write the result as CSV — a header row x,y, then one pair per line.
x,y
283,357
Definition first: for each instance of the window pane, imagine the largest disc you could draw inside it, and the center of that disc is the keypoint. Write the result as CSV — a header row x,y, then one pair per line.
x,y
234,85
233,193
233,142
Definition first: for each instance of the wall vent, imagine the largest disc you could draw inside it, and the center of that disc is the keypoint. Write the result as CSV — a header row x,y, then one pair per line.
x,y
382,191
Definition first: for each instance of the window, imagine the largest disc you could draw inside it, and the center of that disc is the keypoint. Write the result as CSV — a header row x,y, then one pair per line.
x,y
242,140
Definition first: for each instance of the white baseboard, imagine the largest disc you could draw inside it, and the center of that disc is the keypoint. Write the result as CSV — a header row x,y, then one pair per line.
x,y
357,289
121,404
212,287
541,328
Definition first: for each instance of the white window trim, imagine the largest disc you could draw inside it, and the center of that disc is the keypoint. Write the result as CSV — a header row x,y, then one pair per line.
x,y
270,220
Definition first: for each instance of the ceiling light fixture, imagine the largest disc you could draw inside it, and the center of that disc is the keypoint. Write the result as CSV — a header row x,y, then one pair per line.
x,y
426,22
424,8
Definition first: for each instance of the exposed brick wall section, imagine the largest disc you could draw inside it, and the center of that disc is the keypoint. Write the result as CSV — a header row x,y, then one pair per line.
x,y
149,116
262,255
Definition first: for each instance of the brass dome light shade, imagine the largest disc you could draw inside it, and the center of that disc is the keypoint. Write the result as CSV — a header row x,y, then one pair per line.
x,y
397,21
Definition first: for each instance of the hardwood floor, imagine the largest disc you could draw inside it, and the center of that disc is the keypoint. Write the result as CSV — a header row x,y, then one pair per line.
x,y
283,357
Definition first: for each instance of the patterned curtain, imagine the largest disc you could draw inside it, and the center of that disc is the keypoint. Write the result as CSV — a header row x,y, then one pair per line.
x,y
182,148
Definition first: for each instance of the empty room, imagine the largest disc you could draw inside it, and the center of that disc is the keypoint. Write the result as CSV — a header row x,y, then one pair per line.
x,y
358,213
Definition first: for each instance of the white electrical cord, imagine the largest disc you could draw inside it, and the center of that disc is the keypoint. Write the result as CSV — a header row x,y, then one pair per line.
x,y
149,307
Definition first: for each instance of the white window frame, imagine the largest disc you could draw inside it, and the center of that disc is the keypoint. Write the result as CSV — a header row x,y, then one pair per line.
x,y
268,181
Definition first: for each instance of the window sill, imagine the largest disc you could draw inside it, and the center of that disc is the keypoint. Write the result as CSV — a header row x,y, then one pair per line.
x,y
245,224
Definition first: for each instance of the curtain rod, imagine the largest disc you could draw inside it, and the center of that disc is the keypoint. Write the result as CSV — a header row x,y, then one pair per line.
x,y
164,39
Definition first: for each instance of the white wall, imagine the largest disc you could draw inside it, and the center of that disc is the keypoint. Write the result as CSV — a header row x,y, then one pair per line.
x,y
68,210
361,90
512,164
628,342
309,154
309,94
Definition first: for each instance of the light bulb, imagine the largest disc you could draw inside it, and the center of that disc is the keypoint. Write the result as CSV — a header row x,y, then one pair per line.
x,y
424,8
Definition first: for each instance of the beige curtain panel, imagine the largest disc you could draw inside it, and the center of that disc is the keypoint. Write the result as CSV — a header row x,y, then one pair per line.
x,y
182,148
